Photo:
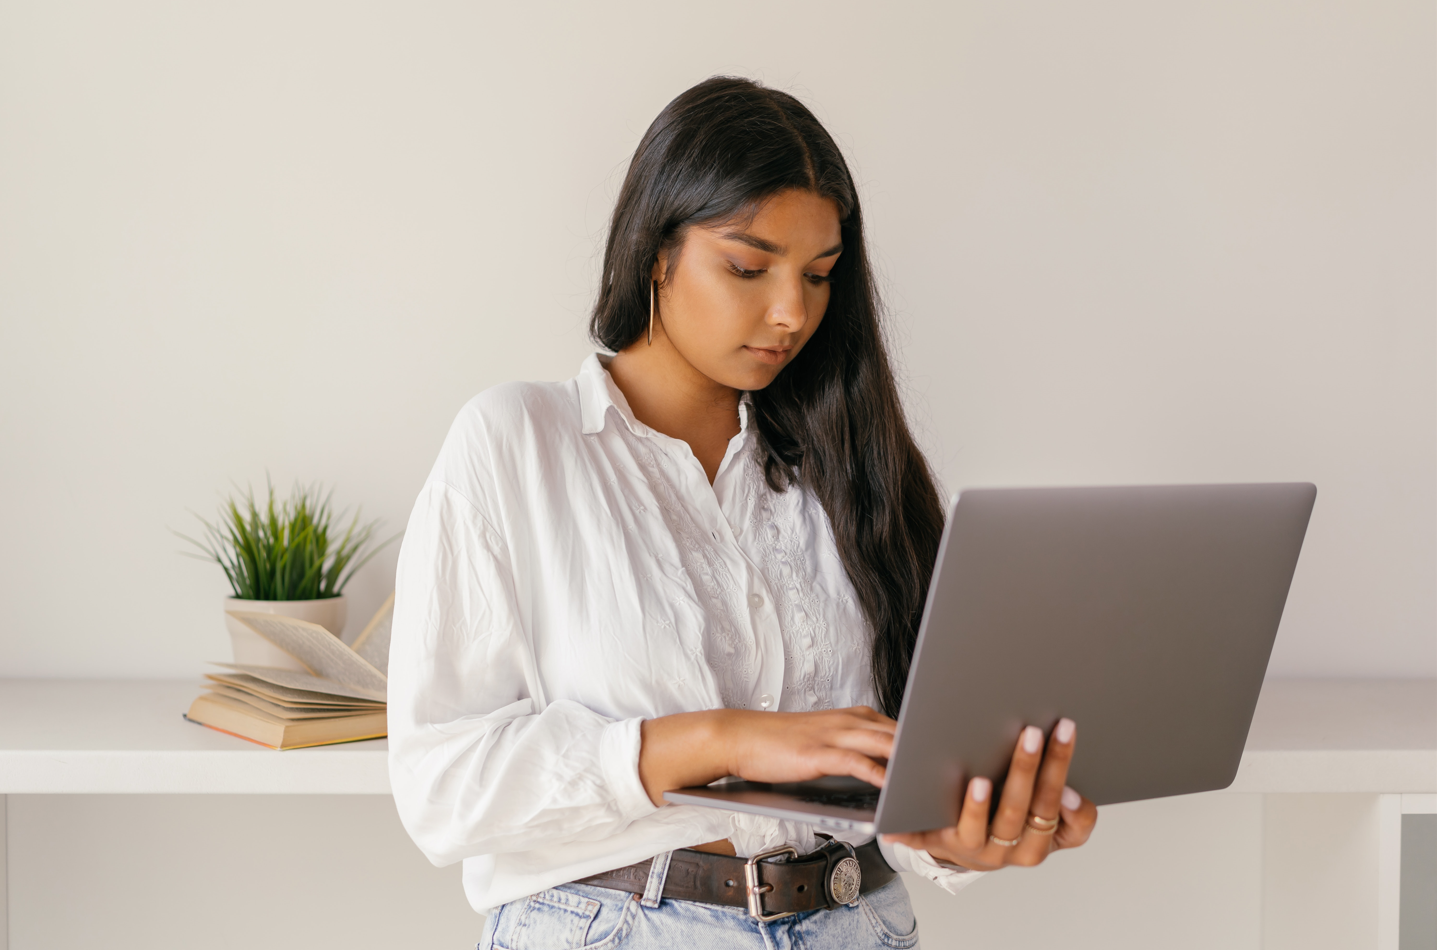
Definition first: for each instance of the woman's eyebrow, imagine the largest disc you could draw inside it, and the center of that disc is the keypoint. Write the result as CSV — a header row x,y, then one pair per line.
x,y
768,247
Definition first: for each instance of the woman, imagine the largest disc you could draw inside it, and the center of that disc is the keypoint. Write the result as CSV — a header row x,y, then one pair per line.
x,y
705,555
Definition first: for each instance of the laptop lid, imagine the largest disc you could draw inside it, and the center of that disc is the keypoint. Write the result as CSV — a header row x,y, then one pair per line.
x,y
1146,614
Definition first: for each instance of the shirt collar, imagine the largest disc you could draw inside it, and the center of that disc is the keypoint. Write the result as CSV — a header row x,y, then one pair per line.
x,y
598,394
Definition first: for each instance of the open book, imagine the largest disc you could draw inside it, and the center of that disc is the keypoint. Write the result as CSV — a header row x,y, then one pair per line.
x,y
340,699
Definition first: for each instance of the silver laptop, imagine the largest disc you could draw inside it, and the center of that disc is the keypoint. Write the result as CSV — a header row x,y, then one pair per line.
x,y
1146,614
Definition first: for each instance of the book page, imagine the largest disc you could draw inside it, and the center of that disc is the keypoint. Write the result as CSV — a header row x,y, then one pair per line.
x,y
305,681
297,698
324,654
246,722
288,712
373,643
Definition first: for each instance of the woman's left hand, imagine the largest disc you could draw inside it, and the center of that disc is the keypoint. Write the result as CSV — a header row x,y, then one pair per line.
x,y
1037,815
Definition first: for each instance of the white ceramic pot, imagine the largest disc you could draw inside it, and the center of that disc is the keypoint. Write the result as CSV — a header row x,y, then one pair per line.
x,y
252,649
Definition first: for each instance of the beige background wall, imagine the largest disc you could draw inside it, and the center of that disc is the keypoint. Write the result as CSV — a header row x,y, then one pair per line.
x,y
1122,242
1219,871
161,872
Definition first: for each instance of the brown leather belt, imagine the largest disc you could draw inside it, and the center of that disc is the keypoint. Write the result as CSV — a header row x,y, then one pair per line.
x,y
833,875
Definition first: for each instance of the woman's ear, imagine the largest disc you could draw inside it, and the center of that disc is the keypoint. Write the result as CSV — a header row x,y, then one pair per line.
x,y
660,266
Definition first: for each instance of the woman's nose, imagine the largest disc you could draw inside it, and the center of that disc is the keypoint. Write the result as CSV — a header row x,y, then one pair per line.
x,y
788,310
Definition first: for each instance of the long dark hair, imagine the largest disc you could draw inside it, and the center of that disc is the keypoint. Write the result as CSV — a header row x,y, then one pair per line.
x,y
832,421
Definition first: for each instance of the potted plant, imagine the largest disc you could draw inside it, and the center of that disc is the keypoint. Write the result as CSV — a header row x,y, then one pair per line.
x,y
291,557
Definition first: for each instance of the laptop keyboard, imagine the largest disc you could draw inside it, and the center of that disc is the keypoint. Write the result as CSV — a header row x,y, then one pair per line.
x,y
866,799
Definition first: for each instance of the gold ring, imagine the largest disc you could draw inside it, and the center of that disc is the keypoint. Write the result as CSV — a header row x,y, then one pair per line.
x,y
1004,842
1039,829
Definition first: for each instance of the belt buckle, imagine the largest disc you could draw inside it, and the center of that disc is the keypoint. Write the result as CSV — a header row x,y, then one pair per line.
x,y
845,877
756,889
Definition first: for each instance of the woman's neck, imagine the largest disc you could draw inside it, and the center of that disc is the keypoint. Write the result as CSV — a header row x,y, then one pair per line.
x,y
668,395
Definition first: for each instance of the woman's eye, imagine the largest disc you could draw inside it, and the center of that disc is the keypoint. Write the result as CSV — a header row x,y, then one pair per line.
x,y
741,272
819,278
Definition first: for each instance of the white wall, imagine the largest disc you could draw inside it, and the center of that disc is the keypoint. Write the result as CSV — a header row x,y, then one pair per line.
x,y
1123,242
172,872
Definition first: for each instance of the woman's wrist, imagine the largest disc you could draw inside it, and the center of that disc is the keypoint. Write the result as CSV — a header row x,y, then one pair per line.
x,y
684,749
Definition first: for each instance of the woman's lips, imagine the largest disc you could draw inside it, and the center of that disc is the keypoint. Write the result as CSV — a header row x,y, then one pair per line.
x,y
772,355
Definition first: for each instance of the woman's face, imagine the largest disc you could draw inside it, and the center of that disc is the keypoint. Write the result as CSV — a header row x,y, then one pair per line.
x,y
745,297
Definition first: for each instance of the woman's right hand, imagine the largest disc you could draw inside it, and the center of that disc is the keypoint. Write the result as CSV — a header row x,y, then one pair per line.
x,y
689,749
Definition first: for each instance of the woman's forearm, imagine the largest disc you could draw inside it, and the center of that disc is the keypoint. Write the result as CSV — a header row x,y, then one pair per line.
x,y
696,748
683,750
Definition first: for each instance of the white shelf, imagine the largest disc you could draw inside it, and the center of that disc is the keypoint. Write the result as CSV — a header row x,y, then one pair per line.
x,y
1376,736
127,736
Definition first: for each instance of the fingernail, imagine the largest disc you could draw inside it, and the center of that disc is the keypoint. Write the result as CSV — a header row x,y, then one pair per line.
x,y
1032,739
979,789
1064,732
1071,799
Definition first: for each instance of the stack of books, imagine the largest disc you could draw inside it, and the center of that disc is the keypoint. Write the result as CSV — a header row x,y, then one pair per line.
x,y
340,697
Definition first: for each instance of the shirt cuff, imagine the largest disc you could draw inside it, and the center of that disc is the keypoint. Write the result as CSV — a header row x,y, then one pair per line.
x,y
619,757
900,857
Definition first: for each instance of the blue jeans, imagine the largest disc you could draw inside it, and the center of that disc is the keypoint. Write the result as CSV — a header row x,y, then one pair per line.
x,y
584,917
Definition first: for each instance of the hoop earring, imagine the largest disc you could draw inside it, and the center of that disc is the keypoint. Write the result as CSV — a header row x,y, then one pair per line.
x,y
651,313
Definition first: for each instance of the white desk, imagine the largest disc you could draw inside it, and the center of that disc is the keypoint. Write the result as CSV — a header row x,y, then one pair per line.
x,y
127,736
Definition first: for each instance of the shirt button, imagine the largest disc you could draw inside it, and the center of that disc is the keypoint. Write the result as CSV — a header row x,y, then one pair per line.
x,y
765,702
755,601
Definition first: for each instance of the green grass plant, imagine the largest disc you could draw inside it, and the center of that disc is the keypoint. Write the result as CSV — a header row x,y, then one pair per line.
x,y
299,548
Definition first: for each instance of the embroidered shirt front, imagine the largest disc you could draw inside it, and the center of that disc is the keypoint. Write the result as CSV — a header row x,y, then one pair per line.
x,y
568,572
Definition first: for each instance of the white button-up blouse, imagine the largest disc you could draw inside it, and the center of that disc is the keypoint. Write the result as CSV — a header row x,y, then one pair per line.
x,y
568,572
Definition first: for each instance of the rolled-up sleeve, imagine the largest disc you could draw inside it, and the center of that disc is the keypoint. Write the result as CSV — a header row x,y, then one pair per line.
x,y
479,762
